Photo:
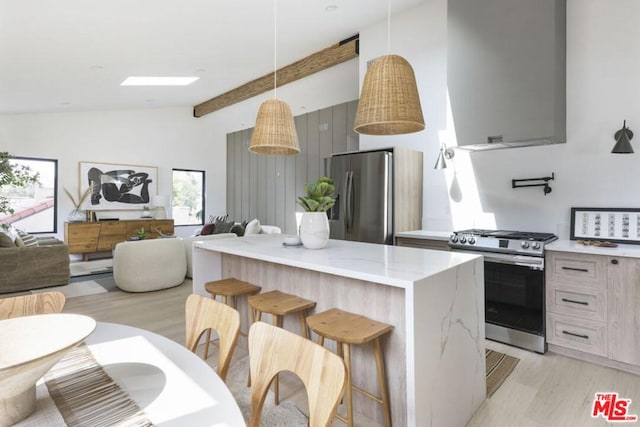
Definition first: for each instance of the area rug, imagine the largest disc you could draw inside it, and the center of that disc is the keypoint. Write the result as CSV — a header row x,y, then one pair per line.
x,y
89,268
284,415
83,288
499,366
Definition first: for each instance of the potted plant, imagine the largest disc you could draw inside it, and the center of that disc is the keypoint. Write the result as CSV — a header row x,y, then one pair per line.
x,y
314,226
77,214
139,234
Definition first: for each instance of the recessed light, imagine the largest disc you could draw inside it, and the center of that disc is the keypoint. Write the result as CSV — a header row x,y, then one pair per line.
x,y
201,70
331,8
96,67
158,81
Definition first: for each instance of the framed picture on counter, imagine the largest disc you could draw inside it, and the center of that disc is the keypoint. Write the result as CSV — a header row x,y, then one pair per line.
x,y
114,186
619,225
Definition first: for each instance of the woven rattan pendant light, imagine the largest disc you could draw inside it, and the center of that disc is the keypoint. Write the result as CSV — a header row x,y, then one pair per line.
x,y
389,103
275,132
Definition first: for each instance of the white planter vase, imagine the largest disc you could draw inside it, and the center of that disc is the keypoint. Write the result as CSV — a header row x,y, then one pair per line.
x,y
314,230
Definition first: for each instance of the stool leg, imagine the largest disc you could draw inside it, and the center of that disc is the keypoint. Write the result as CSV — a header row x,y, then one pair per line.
x,y
346,349
303,324
382,381
207,342
277,321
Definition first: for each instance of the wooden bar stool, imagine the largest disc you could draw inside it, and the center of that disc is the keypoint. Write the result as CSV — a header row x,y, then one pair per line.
x,y
229,288
279,304
348,328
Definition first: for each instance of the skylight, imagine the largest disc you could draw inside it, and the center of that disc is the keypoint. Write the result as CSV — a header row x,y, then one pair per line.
x,y
158,81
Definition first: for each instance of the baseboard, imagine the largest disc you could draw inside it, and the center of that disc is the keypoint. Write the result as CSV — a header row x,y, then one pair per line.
x,y
598,360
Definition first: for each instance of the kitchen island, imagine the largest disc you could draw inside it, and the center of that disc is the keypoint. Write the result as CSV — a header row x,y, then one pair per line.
x,y
434,356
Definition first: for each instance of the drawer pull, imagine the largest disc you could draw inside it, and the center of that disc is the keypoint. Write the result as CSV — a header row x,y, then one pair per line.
x,y
575,302
586,337
583,270
614,261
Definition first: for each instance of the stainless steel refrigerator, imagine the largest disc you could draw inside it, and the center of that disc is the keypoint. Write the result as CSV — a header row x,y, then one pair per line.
x,y
364,190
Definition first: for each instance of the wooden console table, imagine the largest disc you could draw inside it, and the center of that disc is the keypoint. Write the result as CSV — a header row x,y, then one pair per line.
x,y
91,237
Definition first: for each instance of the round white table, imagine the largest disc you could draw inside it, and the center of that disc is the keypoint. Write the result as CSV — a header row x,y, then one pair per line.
x,y
173,386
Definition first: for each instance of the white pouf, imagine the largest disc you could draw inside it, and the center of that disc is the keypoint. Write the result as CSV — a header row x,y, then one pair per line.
x,y
149,265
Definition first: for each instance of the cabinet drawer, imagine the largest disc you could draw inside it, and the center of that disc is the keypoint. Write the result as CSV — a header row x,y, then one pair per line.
x,y
106,243
577,302
579,334
111,228
576,269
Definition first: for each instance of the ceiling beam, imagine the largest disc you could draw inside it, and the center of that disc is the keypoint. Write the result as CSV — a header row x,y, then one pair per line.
x,y
333,55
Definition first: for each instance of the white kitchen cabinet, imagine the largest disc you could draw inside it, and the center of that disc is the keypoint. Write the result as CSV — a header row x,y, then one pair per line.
x,y
593,306
623,276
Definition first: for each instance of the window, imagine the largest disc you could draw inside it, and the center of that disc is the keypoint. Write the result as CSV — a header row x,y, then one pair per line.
x,y
35,205
188,197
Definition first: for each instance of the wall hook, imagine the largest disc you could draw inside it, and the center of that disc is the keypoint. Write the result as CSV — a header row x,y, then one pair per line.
x,y
530,182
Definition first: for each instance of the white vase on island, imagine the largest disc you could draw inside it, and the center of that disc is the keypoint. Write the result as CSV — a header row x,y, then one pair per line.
x,y
314,230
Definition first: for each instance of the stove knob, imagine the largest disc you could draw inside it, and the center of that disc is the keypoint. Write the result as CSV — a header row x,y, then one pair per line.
x,y
454,238
524,245
463,239
471,240
535,245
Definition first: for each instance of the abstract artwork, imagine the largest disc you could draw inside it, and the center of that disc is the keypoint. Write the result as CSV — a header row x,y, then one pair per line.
x,y
114,186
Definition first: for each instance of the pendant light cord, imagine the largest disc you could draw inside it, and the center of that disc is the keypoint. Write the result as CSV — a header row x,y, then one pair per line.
x,y
275,49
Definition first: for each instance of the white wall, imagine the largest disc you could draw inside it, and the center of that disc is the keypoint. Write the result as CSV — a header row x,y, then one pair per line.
x,y
166,138
602,90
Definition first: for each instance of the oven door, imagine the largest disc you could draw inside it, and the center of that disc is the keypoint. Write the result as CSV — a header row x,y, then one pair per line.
x,y
514,299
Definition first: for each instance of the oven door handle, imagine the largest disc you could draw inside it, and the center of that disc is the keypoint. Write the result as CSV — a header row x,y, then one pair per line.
x,y
534,263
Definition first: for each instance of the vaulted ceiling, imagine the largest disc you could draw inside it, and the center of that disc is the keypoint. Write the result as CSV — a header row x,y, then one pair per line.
x,y
72,55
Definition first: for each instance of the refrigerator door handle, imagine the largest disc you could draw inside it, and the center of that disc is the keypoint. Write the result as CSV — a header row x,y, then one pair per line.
x,y
351,200
347,201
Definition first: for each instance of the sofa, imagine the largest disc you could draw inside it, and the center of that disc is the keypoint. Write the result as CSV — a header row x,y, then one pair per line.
x,y
188,246
23,268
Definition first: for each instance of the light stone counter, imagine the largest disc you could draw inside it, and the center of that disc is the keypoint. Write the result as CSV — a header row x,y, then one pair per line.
x,y
622,250
435,300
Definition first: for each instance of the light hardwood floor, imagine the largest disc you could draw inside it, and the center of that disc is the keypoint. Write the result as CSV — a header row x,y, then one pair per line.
x,y
543,390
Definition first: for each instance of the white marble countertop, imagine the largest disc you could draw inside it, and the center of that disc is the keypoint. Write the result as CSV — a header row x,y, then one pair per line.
x,y
426,234
625,250
384,264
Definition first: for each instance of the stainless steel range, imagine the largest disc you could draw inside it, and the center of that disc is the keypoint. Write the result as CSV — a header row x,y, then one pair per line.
x,y
514,283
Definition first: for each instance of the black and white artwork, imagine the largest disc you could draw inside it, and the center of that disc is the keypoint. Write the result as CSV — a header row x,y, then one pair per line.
x,y
115,186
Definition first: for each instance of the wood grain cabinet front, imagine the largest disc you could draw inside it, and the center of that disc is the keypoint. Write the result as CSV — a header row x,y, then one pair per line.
x,y
439,245
623,276
593,306
90,237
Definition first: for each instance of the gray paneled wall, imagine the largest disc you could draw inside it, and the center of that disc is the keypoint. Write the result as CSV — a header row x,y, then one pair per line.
x,y
267,187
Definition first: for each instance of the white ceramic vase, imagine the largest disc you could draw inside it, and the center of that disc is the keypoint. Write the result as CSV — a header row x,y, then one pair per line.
x,y
314,230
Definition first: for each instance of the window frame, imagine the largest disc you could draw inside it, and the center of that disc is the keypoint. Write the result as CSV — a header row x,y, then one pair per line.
x,y
203,196
55,189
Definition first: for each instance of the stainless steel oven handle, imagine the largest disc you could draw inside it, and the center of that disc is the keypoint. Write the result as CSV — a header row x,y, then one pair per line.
x,y
521,260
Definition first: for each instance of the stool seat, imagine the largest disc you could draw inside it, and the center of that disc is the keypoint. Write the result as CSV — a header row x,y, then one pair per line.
x,y
231,287
348,329
345,327
279,303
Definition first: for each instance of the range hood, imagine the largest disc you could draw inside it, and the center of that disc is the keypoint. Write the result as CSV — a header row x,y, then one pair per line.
x,y
498,144
506,72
